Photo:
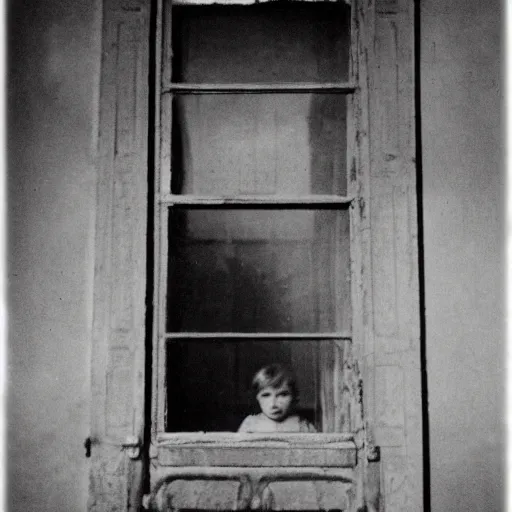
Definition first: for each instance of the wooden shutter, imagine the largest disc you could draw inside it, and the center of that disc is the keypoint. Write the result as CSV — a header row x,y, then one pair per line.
x,y
118,350
386,288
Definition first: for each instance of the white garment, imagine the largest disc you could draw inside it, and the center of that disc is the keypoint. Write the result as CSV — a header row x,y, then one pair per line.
x,y
261,423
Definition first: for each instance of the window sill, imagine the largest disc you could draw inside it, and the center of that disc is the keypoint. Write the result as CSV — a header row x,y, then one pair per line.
x,y
256,450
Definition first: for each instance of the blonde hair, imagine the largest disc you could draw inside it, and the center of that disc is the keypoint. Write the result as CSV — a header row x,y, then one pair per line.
x,y
274,376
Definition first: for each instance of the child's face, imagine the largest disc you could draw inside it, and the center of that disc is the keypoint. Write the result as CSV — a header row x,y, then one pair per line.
x,y
276,403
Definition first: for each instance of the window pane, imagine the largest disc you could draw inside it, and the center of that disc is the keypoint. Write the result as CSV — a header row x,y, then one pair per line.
x,y
235,144
258,271
209,382
285,42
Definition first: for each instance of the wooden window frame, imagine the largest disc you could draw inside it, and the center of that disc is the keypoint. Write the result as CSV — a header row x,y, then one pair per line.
x,y
382,199
164,199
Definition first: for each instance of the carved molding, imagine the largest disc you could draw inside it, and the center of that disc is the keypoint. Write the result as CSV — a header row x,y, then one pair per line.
x,y
387,6
255,490
119,283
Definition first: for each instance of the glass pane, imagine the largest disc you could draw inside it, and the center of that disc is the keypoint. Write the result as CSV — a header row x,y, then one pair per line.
x,y
209,382
234,144
258,271
272,42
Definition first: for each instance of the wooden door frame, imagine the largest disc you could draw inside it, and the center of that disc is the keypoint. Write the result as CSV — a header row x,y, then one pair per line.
x,y
387,333
385,286
119,317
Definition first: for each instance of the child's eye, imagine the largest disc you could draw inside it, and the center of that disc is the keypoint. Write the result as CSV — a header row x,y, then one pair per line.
x,y
265,394
284,393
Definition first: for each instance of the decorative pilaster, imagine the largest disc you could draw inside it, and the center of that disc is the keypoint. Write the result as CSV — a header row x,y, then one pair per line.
x,y
120,272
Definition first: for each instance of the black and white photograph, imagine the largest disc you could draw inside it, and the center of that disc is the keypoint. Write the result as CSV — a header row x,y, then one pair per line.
x,y
256,256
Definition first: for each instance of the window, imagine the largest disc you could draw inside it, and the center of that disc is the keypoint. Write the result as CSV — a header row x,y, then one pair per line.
x,y
253,210
288,222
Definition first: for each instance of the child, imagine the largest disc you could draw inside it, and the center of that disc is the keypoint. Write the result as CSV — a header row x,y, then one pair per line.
x,y
277,395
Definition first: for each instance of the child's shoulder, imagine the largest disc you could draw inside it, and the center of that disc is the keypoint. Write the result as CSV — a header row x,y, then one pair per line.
x,y
302,424
252,423
260,423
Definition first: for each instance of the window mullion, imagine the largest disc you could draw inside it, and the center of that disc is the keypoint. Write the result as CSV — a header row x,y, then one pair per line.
x,y
306,201
163,111
342,335
161,276
345,88
166,100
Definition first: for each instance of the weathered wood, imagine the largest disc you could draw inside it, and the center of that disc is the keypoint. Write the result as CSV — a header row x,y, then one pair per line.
x,y
265,450
260,88
264,454
120,283
373,489
257,201
257,336
386,331
288,439
163,177
341,388
257,488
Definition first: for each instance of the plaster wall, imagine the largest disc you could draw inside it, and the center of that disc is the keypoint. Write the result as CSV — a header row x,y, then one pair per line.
x,y
53,65
463,185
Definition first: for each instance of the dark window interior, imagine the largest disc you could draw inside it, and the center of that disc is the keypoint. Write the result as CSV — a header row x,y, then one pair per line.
x,y
267,42
266,270
209,386
258,271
